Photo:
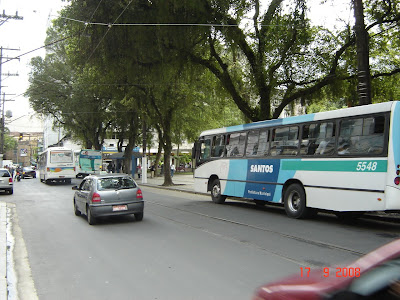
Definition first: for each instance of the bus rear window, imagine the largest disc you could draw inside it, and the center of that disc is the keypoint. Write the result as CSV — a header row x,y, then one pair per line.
x,y
61,156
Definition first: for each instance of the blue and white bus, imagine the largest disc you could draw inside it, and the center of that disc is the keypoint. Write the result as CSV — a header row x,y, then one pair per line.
x,y
56,164
346,161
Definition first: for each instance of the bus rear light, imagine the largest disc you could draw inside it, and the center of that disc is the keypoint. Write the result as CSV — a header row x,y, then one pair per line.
x,y
139,194
397,181
398,172
96,197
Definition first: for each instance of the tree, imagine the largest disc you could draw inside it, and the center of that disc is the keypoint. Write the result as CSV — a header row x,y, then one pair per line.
x,y
364,76
279,57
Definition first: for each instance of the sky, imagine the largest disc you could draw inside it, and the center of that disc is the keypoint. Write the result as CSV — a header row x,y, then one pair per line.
x,y
30,33
25,35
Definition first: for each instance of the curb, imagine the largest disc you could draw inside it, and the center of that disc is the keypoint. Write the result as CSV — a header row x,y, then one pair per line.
x,y
172,188
3,251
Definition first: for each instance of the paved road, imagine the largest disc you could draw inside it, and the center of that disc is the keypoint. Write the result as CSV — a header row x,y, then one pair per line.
x,y
186,247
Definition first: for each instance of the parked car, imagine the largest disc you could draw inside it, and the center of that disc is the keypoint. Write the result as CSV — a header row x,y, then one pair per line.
x,y
373,276
108,195
28,172
6,181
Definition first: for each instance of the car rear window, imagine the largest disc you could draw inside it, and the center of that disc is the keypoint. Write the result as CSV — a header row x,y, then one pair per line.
x,y
115,183
4,173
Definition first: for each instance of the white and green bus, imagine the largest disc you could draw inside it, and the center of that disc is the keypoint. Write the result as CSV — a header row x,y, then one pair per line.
x,y
346,161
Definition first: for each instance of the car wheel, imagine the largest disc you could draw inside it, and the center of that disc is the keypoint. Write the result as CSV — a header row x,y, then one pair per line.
x,y
11,191
295,202
216,192
139,216
90,218
76,210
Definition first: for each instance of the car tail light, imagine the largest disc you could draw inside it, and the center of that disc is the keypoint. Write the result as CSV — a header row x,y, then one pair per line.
x,y
139,194
10,180
96,197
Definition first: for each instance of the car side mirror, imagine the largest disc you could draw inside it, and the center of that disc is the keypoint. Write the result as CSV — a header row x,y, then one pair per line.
x,y
75,188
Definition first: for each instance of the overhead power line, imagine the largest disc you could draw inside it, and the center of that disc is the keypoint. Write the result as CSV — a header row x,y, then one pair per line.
x,y
154,24
49,44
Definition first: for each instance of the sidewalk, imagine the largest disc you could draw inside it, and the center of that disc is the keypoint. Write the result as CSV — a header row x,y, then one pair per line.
x,y
3,250
182,182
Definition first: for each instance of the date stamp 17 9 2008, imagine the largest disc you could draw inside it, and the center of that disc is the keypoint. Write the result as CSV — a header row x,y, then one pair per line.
x,y
336,272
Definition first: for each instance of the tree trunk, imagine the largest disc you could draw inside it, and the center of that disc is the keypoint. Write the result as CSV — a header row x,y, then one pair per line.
x,y
167,154
362,42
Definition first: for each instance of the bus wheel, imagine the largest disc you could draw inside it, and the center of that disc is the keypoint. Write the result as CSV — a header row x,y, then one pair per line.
x,y
216,192
295,202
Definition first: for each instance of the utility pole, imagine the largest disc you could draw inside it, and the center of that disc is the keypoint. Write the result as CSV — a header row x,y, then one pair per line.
x,y
4,95
8,17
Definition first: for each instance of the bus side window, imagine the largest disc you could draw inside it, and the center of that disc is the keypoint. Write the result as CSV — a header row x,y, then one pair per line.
x,y
362,136
326,139
308,145
263,144
252,143
235,144
373,134
205,149
218,145
285,141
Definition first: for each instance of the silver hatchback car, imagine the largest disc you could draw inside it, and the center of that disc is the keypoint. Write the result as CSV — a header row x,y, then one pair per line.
x,y
6,181
108,195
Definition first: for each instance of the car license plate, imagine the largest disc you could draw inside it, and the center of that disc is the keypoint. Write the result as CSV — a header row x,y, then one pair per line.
x,y
120,207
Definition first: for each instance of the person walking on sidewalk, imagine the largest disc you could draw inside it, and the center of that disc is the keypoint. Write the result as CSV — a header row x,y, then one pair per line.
x,y
172,169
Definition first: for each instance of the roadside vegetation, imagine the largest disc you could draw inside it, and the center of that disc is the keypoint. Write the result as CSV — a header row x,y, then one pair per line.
x,y
179,67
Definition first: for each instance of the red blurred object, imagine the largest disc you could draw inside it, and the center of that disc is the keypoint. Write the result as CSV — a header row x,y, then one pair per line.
x,y
378,278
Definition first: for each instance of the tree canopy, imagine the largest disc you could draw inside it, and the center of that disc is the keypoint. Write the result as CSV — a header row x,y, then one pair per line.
x,y
184,66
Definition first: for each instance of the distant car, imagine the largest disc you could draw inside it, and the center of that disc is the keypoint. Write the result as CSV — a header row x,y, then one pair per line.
x,y
108,195
28,172
6,181
373,276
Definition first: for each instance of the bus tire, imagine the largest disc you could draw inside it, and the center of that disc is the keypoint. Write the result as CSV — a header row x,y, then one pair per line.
x,y
216,192
295,202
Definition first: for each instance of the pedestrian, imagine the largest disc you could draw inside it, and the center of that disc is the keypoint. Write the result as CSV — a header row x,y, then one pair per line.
x,y
109,167
139,170
172,169
152,170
